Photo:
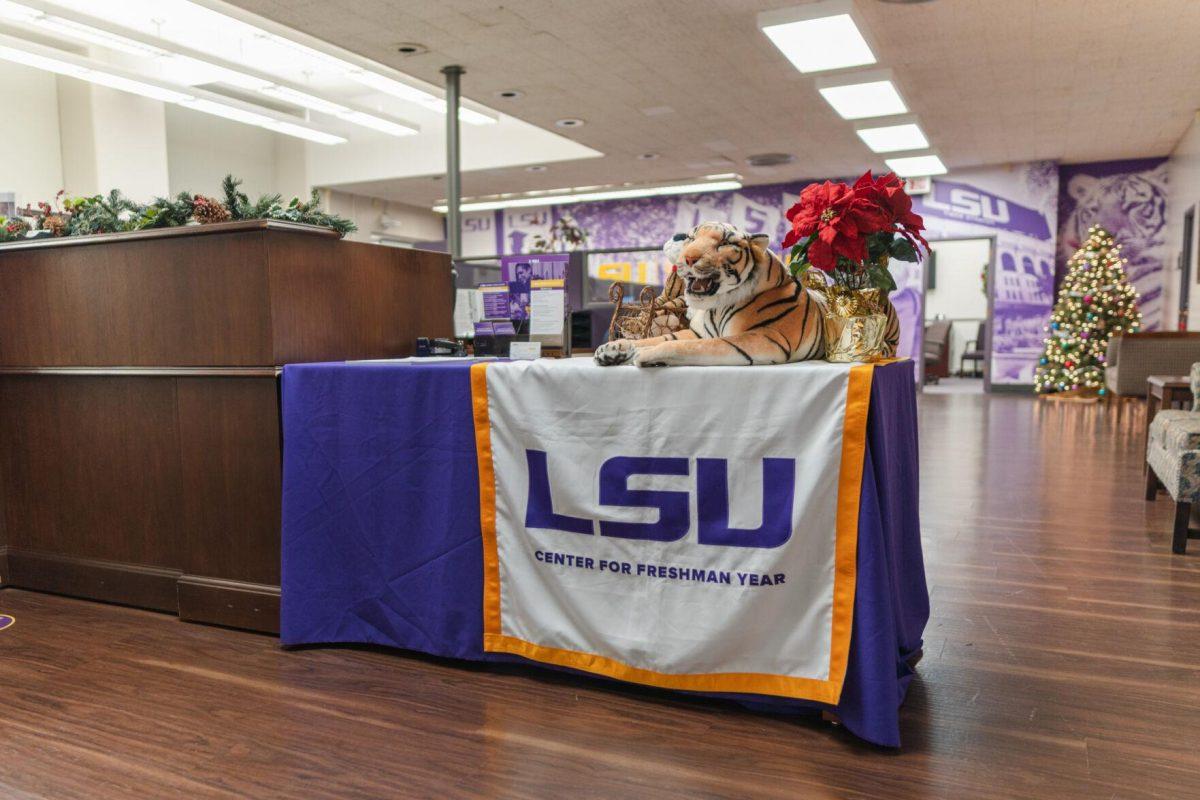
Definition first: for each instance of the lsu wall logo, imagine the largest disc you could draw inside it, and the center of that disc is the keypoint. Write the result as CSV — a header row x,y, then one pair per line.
x,y
674,514
958,201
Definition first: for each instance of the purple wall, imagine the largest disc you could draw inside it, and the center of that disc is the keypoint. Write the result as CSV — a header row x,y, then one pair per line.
x,y
1035,226
1129,198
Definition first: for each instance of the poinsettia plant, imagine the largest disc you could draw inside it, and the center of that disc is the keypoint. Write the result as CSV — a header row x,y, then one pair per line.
x,y
850,232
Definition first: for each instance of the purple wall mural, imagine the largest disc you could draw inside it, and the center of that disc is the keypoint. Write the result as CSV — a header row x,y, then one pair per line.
x,y
1129,198
1018,205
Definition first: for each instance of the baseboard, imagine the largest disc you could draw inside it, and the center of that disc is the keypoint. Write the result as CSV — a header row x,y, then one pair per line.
x,y
234,604
94,579
215,601
1012,388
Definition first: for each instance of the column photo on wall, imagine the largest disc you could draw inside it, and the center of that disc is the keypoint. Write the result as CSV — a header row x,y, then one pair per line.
x,y
1018,206
1129,200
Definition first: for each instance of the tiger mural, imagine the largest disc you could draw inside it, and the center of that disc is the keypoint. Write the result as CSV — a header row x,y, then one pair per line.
x,y
743,307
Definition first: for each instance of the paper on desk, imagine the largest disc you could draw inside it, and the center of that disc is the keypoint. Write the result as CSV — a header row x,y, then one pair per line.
x,y
547,307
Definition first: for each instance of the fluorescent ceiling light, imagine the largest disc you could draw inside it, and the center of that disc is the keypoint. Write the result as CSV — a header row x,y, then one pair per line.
x,y
124,84
91,35
63,63
303,99
249,117
333,62
818,37
868,94
894,137
18,12
341,112
42,62
235,113
402,91
77,31
187,25
377,123
63,67
917,166
544,198
302,132
397,89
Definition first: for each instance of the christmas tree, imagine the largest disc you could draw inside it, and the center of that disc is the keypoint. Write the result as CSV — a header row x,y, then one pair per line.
x,y
1096,302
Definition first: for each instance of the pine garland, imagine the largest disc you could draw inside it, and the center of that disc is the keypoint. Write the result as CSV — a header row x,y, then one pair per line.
x,y
111,213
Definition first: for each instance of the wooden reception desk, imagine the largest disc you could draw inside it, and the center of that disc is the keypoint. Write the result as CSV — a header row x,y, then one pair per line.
x,y
139,401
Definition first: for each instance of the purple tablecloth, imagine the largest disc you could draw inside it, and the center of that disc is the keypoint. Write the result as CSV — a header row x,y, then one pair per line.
x,y
381,534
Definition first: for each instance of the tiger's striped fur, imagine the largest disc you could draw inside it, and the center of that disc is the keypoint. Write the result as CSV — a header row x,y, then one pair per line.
x,y
743,306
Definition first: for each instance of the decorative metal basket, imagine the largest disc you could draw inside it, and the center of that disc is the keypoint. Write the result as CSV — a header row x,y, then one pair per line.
x,y
651,316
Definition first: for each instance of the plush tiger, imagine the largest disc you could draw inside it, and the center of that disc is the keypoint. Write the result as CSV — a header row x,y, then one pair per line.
x,y
743,307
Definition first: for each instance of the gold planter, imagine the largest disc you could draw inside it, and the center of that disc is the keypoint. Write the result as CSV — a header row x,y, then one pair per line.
x,y
855,325
858,338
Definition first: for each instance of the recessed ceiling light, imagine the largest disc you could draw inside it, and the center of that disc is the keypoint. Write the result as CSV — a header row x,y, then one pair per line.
x,y
536,168
898,134
411,48
863,95
569,122
818,36
917,166
647,156
510,94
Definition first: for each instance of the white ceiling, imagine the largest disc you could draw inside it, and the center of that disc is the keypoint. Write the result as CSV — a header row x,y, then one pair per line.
x,y
993,81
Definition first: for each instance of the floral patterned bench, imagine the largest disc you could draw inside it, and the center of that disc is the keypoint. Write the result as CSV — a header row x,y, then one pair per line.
x,y
1173,460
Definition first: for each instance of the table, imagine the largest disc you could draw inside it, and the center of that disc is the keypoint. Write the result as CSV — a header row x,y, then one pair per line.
x,y
1164,391
382,543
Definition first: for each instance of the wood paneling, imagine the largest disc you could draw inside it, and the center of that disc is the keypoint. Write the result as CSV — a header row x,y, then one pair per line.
x,y
89,467
230,453
139,406
1062,660
320,309
182,301
237,294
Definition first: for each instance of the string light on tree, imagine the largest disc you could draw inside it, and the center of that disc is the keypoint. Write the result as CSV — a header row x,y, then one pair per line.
x,y
1096,302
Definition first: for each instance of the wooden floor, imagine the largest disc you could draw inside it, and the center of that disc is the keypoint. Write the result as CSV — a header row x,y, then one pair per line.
x,y
1062,661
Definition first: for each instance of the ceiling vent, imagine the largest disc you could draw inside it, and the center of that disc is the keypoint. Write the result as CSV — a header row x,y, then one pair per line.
x,y
770,159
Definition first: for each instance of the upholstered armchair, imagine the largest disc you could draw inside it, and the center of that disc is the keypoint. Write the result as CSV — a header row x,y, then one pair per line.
x,y
1173,460
1133,357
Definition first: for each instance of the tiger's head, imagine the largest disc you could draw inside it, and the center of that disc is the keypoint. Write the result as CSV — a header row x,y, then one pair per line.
x,y
719,264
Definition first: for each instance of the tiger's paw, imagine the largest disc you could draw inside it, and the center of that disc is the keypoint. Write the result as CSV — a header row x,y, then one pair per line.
x,y
656,356
610,354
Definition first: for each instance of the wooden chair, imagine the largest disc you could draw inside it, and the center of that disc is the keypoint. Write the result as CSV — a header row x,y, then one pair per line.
x,y
937,351
973,353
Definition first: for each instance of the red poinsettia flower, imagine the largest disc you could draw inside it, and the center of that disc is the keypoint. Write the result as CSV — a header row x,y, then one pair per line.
x,y
887,193
840,218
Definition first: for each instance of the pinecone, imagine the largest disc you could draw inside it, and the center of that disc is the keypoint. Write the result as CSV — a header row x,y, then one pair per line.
x,y
206,210
55,224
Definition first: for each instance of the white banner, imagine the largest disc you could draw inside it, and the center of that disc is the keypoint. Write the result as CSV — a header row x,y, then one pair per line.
x,y
687,527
